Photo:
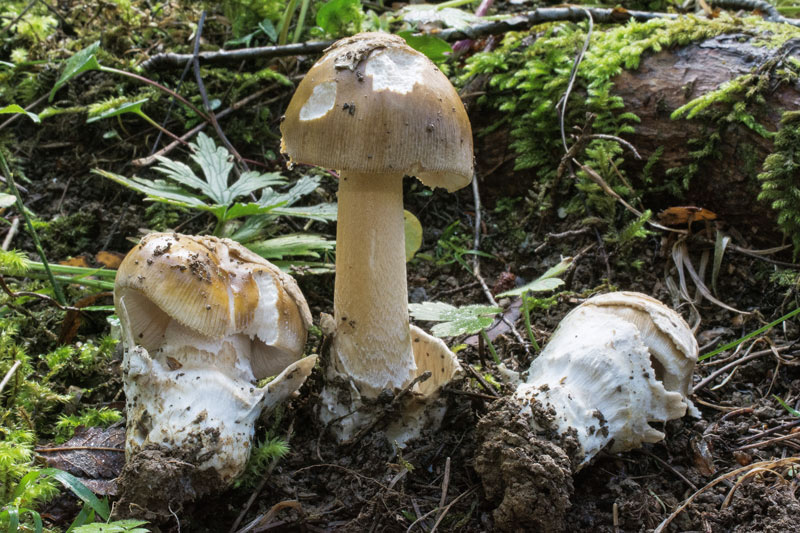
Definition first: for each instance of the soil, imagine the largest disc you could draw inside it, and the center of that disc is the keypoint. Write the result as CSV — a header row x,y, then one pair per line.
x,y
483,470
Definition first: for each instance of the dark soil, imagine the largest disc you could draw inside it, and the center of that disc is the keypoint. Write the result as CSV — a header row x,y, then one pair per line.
x,y
455,479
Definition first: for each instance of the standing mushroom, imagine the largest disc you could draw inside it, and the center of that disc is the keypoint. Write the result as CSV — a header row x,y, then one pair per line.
x,y
376,110
204,319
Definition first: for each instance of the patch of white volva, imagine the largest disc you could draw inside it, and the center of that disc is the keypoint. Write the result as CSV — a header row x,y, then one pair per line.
x,y
395,70
321,101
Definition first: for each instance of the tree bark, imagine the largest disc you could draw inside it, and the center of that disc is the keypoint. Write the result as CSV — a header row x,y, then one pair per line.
x,y
726,182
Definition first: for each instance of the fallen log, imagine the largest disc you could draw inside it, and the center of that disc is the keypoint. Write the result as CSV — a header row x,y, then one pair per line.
x,y
721,158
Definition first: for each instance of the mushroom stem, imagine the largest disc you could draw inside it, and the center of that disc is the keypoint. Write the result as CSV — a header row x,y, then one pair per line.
x,y
372,344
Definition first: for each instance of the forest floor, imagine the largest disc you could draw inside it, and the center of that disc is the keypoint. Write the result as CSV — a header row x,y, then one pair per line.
x,y
735,462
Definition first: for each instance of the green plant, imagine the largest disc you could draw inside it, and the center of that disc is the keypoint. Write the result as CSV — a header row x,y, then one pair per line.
x,y
19,496
262,458
213,194
779,179
527,79
89,417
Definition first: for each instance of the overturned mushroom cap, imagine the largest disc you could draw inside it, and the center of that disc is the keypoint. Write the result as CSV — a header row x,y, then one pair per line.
x,y
615,363
214,287
373,104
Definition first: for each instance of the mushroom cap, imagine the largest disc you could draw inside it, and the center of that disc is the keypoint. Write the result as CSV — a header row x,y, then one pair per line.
x,y
373,104
214,287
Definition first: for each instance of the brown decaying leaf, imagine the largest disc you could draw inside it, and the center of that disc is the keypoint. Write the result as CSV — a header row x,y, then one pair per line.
x,y
675,216
109,259
94,455
77,261
72,319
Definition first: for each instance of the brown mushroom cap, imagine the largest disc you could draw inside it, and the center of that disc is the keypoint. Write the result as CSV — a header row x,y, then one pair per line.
x,y
214,287
373,104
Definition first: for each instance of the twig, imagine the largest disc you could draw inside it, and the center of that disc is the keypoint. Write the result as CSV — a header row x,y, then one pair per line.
x,y
389,410
145,161
732,364
482,381
768,442
476,263
770,431
18,17
44,297
518,22
266,518
561,106
445,485
75,448
669,467
204,96
447,509
10,373
470,393
11,232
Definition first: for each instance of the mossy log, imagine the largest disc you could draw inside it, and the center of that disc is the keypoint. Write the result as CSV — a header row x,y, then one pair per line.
x,y
724,179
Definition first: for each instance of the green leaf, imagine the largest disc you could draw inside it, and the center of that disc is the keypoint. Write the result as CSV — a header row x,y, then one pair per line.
x,y
216,165
127,107
435,48
157,190
119,526
336,15
546,282
413,232
425,14
80,62
792,411
454,320
298,244
13,518
14,109
268,29
253,181
79,489
319,212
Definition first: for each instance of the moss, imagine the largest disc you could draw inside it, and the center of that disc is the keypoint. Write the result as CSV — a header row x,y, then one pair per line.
x,y
780,179
529,74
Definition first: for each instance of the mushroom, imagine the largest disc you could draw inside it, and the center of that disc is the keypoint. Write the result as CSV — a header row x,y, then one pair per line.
x,y
203,320
616,363
376,110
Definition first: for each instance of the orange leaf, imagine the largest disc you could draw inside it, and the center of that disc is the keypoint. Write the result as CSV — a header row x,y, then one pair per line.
x,y
675,216
109,259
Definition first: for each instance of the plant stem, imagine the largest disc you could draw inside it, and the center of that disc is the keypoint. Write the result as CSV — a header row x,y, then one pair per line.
x,y
750,335
301,20
490,346
526,314
287,18
158,86
12,184
75,271
160,128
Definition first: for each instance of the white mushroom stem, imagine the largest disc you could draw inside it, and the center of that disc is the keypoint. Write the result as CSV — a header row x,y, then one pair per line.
x,y
372,345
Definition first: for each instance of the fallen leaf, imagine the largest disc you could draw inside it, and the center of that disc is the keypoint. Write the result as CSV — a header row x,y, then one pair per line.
x,y
109,259
675,216
94,455
77,261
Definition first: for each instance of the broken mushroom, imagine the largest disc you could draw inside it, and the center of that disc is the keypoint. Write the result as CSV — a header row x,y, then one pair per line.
x,y
615,364
204,319
376,110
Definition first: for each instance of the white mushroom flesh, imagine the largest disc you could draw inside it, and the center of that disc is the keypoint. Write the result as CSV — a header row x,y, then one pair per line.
x,y
597,372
